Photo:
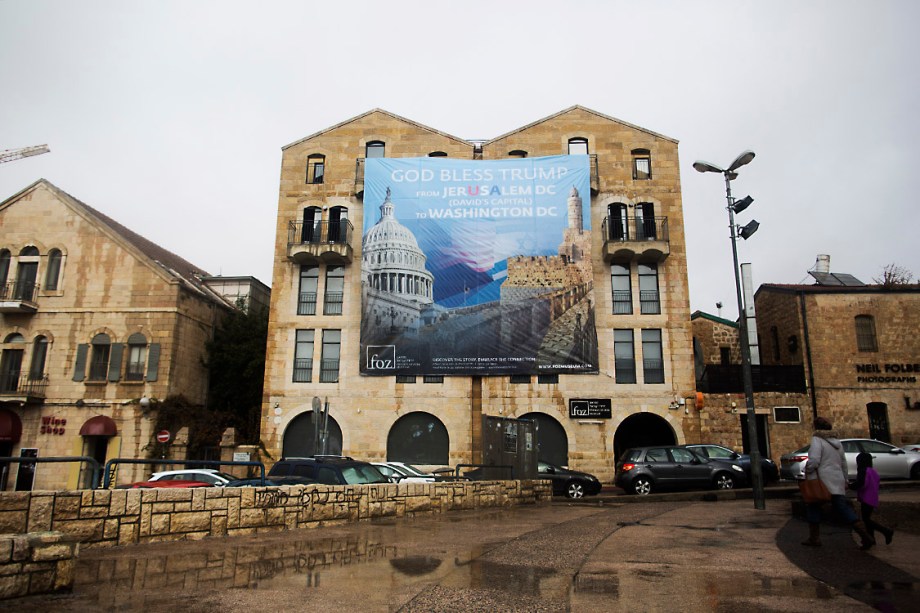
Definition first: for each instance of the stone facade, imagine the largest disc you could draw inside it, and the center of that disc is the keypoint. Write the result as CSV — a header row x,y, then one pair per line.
x,y
366,408
37,563
113,318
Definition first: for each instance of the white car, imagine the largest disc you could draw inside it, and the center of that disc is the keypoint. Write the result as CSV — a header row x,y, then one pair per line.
x,y
398,472
914,447
205,475
891,462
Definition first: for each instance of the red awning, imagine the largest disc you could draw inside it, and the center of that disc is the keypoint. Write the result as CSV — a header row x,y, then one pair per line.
x,y
10,427
99,425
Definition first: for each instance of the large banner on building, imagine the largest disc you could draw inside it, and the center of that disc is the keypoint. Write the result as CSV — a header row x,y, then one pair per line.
x,y
474,267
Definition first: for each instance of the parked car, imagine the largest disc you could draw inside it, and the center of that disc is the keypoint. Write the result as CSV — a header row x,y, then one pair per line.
x,y
329,470
768,467
891,462
401,473
268,482
914,447
569,483
183,483
211,476
642,470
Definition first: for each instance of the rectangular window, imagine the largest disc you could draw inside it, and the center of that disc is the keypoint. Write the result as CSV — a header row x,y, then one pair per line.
x,y
787,415
405,378
137,360
642,165
548,379
433,379
621,287
303,356
866,339
316,169
652,357
520,379
335,290
329,365
306,300
649,298
624,356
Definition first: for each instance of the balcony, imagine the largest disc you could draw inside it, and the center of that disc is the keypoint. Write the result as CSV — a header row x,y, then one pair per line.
x,y
25,389
18,297
326,241
636,238
718,379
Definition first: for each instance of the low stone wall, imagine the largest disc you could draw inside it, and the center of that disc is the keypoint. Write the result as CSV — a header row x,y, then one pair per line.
x,y
36,563
97,518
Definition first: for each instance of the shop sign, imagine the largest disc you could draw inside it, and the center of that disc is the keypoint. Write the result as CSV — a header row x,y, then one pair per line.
x,y
597,408
893,372
53,425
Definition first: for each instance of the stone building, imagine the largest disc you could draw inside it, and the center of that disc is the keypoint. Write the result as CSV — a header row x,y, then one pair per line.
x,y
93,319
631,265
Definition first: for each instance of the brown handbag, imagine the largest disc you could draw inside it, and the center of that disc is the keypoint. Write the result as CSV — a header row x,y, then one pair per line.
x,y
814,491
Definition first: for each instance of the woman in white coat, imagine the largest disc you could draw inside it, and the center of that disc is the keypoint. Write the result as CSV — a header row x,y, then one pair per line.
x,y
827,462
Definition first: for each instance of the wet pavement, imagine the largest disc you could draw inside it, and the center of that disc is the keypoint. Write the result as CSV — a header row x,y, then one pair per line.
x,y
599,555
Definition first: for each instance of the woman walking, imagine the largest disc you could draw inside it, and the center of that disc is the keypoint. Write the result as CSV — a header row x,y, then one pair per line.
x,y
866,487
827,462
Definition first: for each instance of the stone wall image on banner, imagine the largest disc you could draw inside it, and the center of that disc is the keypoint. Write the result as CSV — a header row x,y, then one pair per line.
x,y
474,267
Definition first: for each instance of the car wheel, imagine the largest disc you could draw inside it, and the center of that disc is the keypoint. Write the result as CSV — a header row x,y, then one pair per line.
x,y
642,486
915,471
724,481
574,489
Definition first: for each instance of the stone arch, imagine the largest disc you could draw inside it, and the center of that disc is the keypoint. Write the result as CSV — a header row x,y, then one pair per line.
x,y
418,438
641,429
298,441
552,440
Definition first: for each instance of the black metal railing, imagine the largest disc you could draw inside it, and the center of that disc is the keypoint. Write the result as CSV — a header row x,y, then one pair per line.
x,y
329,371
649,302
622,302
625,370
16,384
719,379
332,303
635,229
303,370
19,290
653,371
320,232
306,303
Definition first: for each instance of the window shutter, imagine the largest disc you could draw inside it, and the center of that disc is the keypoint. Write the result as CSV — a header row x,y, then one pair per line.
x,y
115,361
79,369
153,361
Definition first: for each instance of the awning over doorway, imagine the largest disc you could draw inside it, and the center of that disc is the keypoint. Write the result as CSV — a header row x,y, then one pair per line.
x,y
99,426
10,427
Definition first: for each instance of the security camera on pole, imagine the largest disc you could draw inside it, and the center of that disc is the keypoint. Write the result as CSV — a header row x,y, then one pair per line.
x,y
744,232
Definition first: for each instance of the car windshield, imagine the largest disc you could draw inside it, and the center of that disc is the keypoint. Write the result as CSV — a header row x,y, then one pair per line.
x,y
356,475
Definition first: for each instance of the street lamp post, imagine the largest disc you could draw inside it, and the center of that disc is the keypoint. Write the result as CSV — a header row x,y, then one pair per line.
x,y
745,233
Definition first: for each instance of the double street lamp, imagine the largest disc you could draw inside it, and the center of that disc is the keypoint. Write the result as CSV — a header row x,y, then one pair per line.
x,y
745,232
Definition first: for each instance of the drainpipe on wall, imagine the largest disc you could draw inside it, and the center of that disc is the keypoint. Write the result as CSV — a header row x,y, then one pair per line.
x,y
811,372
476,420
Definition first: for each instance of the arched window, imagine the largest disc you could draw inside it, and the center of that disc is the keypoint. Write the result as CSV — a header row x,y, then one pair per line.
x,y
312,229
619,221
338,224
54,269
418,438
29,251
11,362
300,437
517,153
99,361
375,149
316,167
437,154
39,354
866,339
552,441
309,283
578,146
26,274
137,357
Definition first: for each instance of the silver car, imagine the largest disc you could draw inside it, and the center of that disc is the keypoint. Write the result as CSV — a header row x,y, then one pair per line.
x,y
891,462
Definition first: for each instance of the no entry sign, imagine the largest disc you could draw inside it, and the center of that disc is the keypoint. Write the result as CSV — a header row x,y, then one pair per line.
x,y
163,436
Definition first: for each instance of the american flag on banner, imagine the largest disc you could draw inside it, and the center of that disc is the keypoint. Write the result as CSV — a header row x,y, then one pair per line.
x,y
472,244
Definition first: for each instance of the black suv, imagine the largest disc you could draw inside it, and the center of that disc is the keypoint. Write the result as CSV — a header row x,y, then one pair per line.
x,y
337,470
644,469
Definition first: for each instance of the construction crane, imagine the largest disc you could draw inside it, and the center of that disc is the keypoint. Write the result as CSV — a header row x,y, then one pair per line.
x,y
8,155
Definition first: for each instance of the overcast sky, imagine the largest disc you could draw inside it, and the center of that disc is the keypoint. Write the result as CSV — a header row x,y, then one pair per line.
x,y
169,116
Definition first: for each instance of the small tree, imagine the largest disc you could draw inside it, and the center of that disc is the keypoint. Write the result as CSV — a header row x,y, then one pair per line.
x,y
892,275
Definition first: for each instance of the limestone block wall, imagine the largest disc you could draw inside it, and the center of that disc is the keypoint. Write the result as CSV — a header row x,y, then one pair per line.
x,y
36,563
105,518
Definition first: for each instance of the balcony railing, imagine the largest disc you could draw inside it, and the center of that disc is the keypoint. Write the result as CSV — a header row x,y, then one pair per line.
x,y
303,370
329,371
28,386
18,297
631,238
332,303
719,379
306,303
653,371
320,240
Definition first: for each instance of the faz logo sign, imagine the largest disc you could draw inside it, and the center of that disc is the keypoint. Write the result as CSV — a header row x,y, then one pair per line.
x,y
381,357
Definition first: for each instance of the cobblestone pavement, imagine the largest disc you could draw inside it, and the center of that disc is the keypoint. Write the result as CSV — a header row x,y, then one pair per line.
x,y
656,556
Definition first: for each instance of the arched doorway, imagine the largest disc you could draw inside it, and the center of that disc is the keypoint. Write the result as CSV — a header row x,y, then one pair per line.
x,y
96,433
552,441
10,435
418,438
302,438
641,429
